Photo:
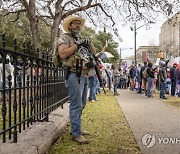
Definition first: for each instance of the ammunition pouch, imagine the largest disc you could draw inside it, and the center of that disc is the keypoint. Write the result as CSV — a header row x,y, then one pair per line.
x,y
70,61
80,62
90,64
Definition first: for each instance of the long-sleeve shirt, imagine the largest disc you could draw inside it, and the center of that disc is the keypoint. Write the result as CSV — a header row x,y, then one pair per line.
x,y
116,76
150,72
162,74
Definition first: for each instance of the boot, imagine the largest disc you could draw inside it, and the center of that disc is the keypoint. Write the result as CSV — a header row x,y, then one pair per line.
x,y
80,139
84,132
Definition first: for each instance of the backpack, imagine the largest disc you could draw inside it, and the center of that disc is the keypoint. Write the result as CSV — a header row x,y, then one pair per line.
x,y
144,73
57,61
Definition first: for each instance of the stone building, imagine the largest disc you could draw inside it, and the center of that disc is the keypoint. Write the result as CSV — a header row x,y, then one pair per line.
x,y
147,52
169,38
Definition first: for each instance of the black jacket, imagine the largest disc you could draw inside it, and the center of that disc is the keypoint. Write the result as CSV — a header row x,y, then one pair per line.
x,y
150,72
162,74
172,73
142,69
131,73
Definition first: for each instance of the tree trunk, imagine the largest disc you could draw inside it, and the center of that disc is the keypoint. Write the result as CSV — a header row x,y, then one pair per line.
x,y
55,27
54,32
31,13
35,35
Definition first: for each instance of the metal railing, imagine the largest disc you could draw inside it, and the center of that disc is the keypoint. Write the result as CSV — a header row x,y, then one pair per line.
x,y
30,88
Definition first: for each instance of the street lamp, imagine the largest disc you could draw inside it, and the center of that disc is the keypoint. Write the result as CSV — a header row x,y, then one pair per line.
x,y
120,53
135,29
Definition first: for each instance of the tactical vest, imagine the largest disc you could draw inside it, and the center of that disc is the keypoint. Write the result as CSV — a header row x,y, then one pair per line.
x,y
71,61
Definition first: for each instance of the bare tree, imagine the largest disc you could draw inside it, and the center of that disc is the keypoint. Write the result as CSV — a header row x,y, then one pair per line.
x,y
167,48
101,13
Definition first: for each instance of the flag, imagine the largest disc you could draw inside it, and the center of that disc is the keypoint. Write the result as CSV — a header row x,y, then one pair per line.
x,y
147,57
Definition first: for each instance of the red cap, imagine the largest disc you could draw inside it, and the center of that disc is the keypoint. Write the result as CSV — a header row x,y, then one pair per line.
x,y
175,64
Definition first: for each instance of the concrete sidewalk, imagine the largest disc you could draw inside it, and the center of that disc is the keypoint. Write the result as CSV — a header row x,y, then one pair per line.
x,y
155,125
38,138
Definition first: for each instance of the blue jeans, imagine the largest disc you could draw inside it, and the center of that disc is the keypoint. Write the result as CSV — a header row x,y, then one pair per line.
x,y
115,87
98,90
149,87
173,87
162,89
78,96
140,87
92,84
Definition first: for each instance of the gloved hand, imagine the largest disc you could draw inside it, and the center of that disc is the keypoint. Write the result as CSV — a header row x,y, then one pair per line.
x,y
83,42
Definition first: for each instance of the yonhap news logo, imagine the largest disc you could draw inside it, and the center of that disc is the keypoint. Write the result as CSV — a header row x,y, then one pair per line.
x,y
149,140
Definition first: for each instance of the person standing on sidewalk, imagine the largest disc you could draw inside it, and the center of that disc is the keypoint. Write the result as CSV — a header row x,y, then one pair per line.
x,y
77,72
144,80
115,78
177,74
132,76
173,79
162,79
150,79
92,85
108,77
139,78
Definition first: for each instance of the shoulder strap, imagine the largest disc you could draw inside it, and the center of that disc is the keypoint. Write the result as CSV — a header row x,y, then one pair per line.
x,y
72,35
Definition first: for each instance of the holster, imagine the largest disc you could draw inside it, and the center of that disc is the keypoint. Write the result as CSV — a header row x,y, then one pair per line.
x,y
66,72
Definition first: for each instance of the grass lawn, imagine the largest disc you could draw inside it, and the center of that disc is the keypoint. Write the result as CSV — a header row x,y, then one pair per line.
x,y
109,131
171,100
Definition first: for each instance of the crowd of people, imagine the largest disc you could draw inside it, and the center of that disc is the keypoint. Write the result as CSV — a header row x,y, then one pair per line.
x,y
110,79
148,78
142,79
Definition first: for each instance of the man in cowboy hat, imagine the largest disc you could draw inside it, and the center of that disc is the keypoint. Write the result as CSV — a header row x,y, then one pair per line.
x,y
77,85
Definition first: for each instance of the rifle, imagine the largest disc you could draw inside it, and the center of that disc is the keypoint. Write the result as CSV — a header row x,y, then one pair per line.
x,y
93,60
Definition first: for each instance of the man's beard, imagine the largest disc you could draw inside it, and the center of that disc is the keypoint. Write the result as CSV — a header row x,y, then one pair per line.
x,y
76,31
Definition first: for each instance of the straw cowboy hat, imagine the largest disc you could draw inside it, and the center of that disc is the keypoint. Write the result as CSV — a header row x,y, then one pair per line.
x,y
71,18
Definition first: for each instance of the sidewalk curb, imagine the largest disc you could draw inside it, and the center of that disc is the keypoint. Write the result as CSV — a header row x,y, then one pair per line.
x,y
38,138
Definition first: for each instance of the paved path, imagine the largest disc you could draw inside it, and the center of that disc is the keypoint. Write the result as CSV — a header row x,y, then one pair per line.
x,y
151,116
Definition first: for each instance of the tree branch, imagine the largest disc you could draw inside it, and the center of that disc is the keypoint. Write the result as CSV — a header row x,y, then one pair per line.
x,y
49,8
18,12
25,3
45,21
82,8
13,4
90,18
15,12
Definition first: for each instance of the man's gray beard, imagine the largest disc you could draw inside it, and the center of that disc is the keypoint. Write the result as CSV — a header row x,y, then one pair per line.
x,y
76,31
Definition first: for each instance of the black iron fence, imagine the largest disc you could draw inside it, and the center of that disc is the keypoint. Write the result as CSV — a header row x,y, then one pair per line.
x,y
30,88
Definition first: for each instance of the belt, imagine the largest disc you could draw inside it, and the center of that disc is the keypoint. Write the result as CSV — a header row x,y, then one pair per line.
x,y
84,71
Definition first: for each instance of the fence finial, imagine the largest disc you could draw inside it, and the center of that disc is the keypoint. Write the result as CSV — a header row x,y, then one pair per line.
x,y
15,44
24,46
3,40
31,49
38,52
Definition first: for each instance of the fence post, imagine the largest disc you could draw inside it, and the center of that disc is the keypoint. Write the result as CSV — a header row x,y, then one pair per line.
x,y
3,40
27,97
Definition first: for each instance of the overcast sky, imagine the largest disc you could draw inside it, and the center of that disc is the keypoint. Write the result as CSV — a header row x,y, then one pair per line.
x,y
146,35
